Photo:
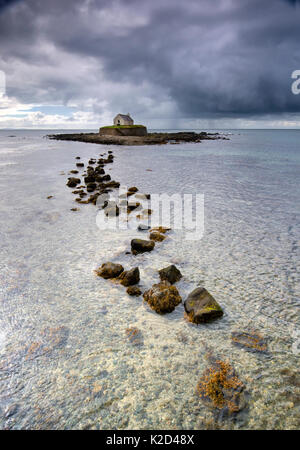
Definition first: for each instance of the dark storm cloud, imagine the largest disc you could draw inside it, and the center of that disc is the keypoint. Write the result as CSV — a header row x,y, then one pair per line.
x,y
5,3
211,58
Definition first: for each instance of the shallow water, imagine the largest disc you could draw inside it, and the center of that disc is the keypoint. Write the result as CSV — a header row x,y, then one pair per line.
x,y
66,361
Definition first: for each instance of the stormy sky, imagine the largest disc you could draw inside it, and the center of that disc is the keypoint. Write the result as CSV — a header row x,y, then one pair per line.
x,y
170,63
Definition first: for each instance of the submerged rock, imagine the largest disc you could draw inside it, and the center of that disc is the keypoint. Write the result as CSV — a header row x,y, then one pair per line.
x,y
162,297
157,237
51,339
109,270
134,335
72,182
130,277
93,198
134,291
170,274
201,307
160,229
250,341
141,246
220,388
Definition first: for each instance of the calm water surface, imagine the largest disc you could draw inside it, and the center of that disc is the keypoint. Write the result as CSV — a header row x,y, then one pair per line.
x,y
65,359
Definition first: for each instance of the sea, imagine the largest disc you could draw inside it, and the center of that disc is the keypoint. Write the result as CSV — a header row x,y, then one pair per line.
x,y
67,356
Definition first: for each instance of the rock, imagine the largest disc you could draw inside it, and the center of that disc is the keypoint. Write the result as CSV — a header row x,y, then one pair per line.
x,y
89,179
93,198
99,170
72,182
160,229
77,157
100,179
221,389
249,340
130,277
141,246
74,171
143,227
201,307
79,165
49,196
92,161
52,339
134,291
90,187
109,270
112,184
115,138
75,209
157,237
162,297
170,274
132,206
133,189
134,335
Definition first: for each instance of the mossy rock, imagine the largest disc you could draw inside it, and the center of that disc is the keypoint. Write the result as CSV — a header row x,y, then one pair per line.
x,y
162,297
221,389
200,306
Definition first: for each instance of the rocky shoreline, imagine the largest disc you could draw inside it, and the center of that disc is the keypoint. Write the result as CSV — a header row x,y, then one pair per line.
x,y
149,139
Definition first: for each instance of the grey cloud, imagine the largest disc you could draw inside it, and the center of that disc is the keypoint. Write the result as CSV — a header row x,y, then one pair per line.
x,y
211,58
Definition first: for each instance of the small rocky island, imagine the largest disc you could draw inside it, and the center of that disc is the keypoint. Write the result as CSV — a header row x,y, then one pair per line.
x,y
124,132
